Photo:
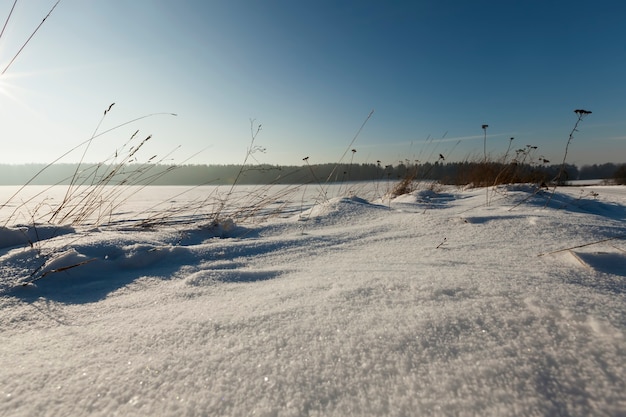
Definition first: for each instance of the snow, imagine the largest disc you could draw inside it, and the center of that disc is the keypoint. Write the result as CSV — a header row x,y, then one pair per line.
x,y
337,303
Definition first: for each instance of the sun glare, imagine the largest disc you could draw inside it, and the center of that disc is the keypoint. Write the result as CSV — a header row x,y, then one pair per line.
x,y
4,88
7,88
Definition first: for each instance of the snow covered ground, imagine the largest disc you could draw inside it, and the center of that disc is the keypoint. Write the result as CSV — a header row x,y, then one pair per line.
x,y
433,303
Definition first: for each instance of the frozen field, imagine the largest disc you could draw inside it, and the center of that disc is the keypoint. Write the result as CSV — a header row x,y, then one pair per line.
x,y
433,303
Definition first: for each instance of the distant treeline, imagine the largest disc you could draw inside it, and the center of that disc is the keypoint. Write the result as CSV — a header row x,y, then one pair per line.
x,y
155,174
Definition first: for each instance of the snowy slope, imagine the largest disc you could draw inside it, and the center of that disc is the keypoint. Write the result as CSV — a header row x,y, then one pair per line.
x,y
430,304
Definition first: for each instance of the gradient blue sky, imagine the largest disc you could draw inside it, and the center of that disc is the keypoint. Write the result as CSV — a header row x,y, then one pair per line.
x,y
310,72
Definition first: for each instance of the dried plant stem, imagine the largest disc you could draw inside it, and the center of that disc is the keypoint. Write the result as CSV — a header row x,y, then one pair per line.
x,y
42,170
317,181
35,278
581,115
6,22
29,38
252,149
584,245
485,158
68,191
348,149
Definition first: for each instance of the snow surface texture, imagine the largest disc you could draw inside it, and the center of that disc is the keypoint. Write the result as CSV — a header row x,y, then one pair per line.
x,y
433,303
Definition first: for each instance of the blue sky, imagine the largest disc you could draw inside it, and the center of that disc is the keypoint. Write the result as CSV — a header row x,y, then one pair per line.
x,y
310,72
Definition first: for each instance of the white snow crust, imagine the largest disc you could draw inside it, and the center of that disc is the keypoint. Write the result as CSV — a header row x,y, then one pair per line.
x,y
433,303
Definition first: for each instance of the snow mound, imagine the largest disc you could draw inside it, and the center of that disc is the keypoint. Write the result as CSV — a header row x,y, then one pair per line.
x,y
425,199
578,200
341,208
30,234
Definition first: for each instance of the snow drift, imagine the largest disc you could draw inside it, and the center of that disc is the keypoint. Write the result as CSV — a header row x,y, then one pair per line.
x,y
430,304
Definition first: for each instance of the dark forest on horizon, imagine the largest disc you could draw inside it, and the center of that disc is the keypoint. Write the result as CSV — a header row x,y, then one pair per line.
x,y
155,174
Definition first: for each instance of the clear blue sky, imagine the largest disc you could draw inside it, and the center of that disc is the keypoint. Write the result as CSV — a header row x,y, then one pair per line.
x,y
310,72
